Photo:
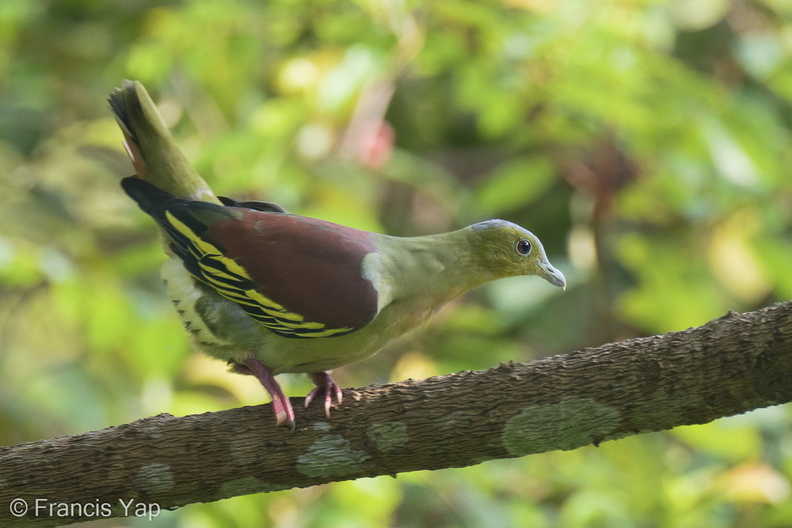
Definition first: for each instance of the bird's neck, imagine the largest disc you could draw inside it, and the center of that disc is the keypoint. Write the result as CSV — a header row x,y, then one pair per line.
x,y
434,269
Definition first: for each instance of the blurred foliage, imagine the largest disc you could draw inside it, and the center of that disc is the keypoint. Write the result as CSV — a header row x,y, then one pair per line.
x,y
646,143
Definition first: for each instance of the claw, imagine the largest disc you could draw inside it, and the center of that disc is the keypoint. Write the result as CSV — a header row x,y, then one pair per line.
x,y
281,406
324,384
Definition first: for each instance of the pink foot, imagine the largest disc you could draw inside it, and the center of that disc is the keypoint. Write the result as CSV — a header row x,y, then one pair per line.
x,y
324,384
281,405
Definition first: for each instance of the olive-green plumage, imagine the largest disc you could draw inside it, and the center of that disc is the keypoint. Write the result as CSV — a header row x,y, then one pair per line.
x,y
272,292
151,147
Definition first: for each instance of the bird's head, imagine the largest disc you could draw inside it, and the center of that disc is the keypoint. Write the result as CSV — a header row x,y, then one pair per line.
x,y
506,250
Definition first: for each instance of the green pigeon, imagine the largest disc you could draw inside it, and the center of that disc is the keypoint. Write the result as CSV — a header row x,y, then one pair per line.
x,y
272,292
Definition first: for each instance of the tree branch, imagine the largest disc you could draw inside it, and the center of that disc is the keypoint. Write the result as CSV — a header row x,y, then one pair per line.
x,y
728,366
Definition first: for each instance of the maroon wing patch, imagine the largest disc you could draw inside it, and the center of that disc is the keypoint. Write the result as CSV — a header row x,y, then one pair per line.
x,y
310,267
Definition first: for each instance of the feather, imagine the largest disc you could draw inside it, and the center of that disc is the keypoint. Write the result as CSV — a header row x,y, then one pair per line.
x,y
251,257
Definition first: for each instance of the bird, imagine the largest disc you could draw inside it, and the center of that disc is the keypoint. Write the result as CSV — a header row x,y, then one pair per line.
x,y
273,292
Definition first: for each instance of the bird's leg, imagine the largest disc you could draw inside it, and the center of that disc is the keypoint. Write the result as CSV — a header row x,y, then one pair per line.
x,y
324,384
281,405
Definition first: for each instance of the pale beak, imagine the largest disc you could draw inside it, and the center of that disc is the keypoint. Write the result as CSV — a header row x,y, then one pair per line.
x,y
552,275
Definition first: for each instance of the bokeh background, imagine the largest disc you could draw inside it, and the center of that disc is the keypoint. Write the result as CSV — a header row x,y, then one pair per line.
x,y
648,143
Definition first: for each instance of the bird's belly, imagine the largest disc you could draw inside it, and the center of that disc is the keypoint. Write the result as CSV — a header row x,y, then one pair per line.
x,y
318,354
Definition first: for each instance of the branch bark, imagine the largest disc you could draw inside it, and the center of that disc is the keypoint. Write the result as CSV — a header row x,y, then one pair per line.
x,y
728,366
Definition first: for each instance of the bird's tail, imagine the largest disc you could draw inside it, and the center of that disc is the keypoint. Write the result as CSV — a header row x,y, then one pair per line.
x,y
151,147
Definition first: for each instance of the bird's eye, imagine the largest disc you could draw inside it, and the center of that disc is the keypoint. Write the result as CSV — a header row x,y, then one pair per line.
x,y
524,247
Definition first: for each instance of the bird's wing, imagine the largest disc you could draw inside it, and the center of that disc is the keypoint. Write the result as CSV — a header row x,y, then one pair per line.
x,y
298,276
268,207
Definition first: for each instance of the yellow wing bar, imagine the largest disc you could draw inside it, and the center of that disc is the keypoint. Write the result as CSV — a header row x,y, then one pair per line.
x,y
208,264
